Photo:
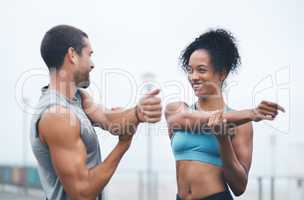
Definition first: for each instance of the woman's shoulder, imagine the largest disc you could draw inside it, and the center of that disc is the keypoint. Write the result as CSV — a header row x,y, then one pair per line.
x,y
229,109
176,105
174,108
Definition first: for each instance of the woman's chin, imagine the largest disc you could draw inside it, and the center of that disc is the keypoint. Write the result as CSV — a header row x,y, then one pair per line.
x,y
200,94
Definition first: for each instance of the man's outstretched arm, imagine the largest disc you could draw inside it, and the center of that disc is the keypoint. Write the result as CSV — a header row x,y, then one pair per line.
x,y
124,121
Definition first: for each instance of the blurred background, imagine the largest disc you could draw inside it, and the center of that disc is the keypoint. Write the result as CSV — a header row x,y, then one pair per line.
x,y
136,46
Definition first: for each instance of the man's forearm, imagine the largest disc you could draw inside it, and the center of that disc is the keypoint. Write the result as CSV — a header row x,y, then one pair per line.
x,y
117,122
100,175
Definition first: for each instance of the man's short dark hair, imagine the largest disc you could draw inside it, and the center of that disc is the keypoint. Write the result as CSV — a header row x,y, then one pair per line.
x,y
56,43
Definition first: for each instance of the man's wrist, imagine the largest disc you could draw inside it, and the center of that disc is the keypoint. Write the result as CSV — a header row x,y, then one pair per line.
x,y
125,144
136,111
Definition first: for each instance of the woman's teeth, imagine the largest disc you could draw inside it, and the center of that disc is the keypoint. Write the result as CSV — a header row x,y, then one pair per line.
x,y
197,85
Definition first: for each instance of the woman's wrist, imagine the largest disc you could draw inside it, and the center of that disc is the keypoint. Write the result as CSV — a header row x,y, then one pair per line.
x,y
251,114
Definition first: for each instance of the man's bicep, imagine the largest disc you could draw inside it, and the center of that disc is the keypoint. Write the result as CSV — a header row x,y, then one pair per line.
x,y
68,161
67,150
69,164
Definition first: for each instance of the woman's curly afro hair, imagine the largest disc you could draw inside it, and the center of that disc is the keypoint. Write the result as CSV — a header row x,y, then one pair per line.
x,y
221,46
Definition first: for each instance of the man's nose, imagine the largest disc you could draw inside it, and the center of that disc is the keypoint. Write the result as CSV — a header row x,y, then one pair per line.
x,y
92,65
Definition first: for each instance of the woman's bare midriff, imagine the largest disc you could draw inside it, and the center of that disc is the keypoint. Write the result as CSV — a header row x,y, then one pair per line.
x,y
196,180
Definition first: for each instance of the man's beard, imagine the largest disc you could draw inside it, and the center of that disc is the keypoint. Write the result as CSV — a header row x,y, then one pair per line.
x,y
82,80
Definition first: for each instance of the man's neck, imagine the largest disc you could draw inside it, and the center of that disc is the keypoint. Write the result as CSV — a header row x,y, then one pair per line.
x,y
63,83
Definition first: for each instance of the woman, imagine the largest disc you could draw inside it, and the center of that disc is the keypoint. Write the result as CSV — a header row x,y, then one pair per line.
x,y
212,144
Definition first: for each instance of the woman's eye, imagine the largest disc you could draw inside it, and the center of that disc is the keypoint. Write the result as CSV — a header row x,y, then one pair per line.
x,y
202,70
189,69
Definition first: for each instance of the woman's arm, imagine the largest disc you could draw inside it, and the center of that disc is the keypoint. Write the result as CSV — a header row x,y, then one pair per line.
x,y
236,154
236,151
179,117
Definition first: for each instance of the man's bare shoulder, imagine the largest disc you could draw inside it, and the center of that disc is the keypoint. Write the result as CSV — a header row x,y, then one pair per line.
x,y
58,125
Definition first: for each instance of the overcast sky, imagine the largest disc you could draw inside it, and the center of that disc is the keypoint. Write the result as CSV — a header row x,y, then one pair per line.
x,y
132,37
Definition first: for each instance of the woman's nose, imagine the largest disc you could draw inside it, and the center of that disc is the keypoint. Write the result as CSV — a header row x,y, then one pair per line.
x,y
194,76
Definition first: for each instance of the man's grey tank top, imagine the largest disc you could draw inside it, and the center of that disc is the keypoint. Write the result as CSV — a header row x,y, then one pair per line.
x,y
49,179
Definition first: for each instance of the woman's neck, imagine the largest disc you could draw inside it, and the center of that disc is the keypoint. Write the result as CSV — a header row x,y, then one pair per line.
x,y
212,102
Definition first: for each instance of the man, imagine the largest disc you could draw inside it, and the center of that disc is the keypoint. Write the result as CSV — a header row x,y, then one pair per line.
x,y
62,136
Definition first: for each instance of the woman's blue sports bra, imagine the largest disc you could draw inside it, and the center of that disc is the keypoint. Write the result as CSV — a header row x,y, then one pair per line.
x,y
198,146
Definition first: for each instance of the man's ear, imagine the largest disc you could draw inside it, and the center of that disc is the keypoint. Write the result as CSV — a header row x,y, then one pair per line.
x,y
72,56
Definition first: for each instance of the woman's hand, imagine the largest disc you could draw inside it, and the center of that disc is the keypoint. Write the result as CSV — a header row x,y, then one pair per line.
x,y
266,111
218,124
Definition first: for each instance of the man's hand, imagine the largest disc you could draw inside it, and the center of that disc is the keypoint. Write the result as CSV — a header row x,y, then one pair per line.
x,y
149,107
